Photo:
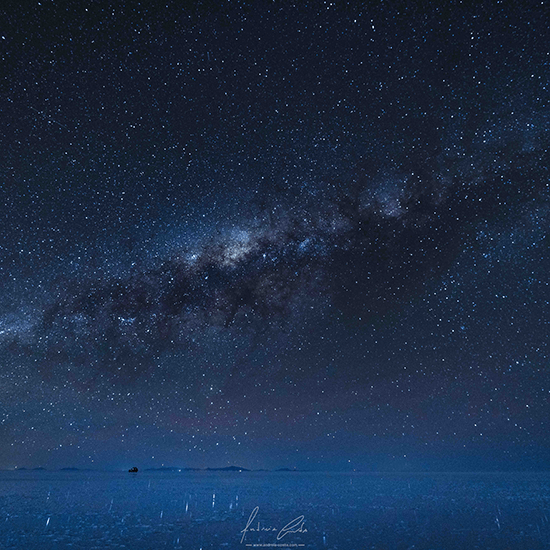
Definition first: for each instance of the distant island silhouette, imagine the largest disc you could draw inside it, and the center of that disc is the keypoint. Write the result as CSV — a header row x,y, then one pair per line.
x,y
135,469
225,469
40,469
176,469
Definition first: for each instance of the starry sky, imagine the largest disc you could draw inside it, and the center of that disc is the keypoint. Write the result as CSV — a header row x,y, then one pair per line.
x,y
275,235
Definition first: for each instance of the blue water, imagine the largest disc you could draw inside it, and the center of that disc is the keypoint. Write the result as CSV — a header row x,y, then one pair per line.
x,y
210,510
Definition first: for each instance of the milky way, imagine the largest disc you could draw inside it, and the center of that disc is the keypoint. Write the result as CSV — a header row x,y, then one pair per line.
x,y
318,231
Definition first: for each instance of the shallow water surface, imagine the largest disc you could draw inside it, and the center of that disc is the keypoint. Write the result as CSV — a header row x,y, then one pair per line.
x,y
211,510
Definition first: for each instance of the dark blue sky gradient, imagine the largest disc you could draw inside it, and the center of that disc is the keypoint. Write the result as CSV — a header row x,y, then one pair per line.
x,y
274,235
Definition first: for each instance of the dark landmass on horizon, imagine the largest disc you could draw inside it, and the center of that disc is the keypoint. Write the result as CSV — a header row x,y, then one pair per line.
x,y
163,469
168,469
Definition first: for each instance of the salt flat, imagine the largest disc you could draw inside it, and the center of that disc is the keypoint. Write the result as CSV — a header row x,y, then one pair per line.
x,y
211,510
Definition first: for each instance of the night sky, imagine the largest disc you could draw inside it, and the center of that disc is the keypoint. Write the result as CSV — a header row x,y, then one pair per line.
x,y
272,235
